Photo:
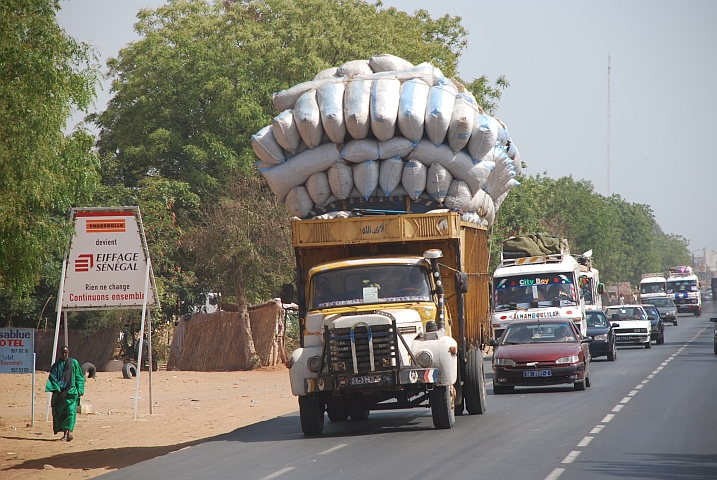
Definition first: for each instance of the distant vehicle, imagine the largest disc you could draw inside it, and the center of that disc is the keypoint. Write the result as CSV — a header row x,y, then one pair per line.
x,y
714,288
602,334
684,288
658,327
535,353
633,326
666,307
652,285
714,320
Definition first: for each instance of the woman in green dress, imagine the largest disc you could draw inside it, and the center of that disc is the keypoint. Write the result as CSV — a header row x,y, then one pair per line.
x,y
67,384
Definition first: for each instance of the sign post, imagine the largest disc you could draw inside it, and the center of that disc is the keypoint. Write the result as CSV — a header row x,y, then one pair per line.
x,y
17,355
108,268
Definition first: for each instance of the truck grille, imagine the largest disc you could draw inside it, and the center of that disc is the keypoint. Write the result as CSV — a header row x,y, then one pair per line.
x,y
630,330
382,347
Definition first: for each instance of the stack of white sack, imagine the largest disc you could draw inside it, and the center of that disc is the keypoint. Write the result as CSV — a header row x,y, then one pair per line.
x,y
380,128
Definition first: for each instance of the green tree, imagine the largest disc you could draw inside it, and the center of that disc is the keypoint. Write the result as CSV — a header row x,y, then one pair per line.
x,y
43,75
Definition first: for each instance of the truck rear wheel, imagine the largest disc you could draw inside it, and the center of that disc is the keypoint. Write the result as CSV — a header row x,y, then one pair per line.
x,y
359,414
474,387
311,411
337,414
442,409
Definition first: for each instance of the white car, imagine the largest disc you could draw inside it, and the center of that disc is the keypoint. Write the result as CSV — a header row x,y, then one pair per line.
x,y
630,324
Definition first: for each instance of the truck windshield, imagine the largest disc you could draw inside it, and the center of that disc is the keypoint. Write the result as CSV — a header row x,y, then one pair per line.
x,y
370,284
522,291
655,287
675,286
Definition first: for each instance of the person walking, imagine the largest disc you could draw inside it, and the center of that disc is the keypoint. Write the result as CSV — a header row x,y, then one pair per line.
x,y
67,384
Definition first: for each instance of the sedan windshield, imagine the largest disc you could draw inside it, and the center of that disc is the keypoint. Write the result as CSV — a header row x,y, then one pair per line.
x,y
597,319
526,291
538,333
661,302
626,313
370,284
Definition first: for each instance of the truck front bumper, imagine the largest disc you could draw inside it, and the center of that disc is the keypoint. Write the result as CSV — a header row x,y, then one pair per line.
x,y
392,380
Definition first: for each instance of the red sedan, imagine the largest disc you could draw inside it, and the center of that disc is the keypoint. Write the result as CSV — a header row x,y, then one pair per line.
x,y
535,353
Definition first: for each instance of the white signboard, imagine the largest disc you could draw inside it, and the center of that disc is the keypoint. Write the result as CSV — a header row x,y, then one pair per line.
x,y
16,350
107,262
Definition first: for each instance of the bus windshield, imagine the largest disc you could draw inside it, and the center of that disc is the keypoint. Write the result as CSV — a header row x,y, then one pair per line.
x,y
675,286
523,291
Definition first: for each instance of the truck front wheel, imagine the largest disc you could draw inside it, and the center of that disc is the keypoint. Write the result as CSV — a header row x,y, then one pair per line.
x,y
698,311
474,388
311,411
442,408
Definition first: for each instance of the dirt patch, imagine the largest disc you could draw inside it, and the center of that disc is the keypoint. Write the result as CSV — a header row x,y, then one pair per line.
x,y
188,407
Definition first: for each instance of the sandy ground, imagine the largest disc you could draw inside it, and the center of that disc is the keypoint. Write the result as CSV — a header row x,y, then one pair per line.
x,y
188,407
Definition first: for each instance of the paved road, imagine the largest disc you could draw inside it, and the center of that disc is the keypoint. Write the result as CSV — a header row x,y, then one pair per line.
x,y
650,414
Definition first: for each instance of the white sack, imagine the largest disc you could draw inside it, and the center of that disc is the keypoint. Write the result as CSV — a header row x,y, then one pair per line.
x,y
389,177
461,126
503,134
396,147
483,137
286,99
387,62
301,148
412,108
286,132
357,151
266,147
317,185
505,188
282,178
329,201
354,67
308,119
384,107
438,181
341,180
459,164
460,197
413,178
356,193
357,105
512,150
330,73
423,71
330,97
366,177
439,111
298,202
399,191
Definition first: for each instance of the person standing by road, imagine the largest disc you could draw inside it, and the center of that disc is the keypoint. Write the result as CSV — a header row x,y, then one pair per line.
x,y
67,384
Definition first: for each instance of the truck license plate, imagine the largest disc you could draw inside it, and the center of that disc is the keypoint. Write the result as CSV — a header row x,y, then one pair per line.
x,y
538,373
366,379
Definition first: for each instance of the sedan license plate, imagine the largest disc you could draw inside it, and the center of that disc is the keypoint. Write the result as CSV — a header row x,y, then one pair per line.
x,y
366,379
538,373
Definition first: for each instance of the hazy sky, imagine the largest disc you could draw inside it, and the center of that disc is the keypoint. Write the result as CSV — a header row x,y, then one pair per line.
x,y
663,100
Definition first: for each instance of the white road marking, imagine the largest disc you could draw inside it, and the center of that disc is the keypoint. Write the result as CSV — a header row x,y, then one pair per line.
x,y
555,474
607,418
632,393
626,399
597,429
639,386
277,474
617,408
645,382
571,456
585,441
333,449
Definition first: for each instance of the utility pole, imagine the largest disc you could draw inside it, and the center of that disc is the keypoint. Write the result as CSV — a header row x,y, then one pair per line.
x,y
608,124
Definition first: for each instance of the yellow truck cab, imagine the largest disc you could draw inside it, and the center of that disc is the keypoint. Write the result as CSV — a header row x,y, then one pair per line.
x,y
393,311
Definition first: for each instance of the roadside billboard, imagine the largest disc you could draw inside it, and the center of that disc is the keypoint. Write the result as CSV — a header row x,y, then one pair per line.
x,y
17,350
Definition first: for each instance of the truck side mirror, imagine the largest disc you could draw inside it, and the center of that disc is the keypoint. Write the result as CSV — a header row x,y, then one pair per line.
x,y
461,282
287,293
600,288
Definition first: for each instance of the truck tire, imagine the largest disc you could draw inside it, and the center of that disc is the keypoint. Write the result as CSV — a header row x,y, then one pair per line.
x,y
337,414
129,370
311,411
474,387
648,344
89,370
359,414
460,401
698,311
442,409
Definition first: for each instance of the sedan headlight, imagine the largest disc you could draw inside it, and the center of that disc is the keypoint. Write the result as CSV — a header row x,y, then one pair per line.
x,y
570,359
506,362
601,337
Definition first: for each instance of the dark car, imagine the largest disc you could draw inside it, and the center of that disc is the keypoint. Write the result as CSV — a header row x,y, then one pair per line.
x,y
603,337
658,327
536,353
714,320
666,307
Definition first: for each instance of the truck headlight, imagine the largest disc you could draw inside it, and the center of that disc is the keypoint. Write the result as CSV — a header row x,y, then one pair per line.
x,y
315,364
506,362
600,337
424,358
570,359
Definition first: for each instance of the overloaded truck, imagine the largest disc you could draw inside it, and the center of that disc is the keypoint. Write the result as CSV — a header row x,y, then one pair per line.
x,y
652,285
684,288
394,313
590,287
536,278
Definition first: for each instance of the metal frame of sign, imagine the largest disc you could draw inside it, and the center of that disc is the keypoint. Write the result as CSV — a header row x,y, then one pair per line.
x,y
92,259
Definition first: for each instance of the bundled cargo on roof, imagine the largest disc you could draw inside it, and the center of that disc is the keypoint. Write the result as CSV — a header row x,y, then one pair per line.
x,y
385,134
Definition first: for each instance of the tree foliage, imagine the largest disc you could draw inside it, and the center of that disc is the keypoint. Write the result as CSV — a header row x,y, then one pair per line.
x,y
43,75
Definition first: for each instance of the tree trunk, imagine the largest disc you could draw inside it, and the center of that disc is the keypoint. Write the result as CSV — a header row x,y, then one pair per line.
x,y
250,360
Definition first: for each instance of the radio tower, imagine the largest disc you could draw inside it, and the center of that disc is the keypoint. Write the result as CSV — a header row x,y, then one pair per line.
x,y
608,124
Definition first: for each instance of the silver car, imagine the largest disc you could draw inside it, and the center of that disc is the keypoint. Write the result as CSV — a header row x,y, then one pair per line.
x,y
666,307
